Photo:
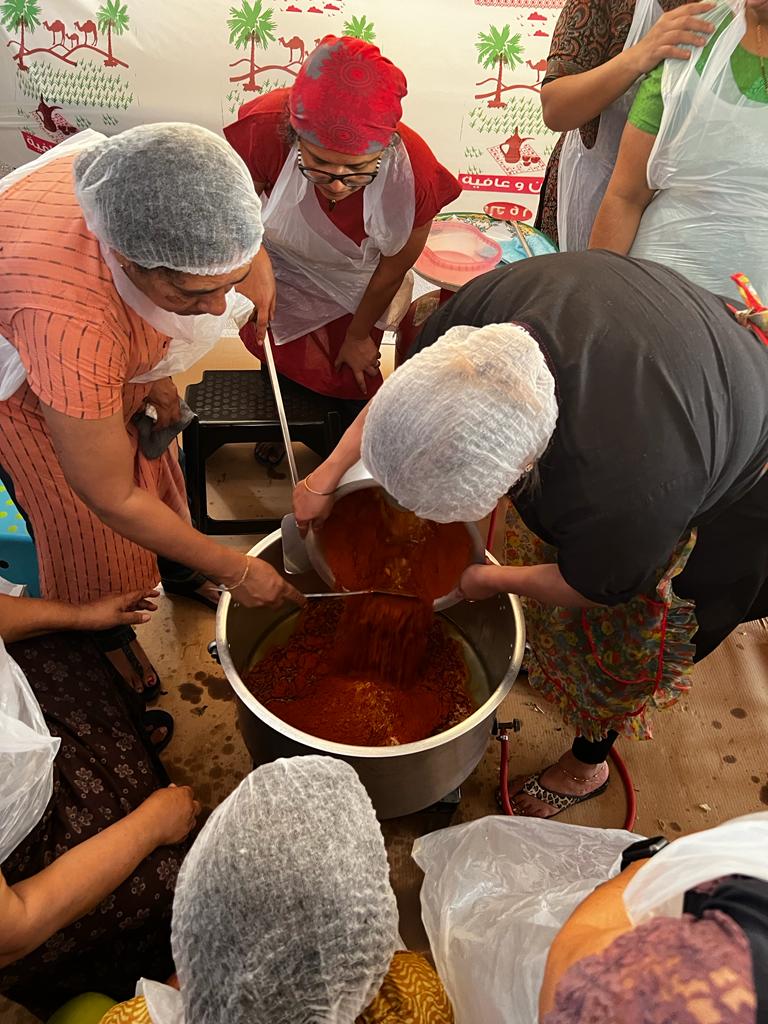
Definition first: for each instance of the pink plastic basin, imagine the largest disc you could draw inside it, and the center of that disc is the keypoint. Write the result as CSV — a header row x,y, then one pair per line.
x,y
457,252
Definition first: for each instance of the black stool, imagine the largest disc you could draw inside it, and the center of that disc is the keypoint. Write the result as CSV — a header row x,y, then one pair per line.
x,y
235,406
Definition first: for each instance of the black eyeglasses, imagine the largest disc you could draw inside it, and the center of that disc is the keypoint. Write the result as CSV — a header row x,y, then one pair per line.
x,y
354,180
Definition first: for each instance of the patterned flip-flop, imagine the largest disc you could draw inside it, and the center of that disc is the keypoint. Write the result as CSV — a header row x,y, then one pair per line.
x,y
551,797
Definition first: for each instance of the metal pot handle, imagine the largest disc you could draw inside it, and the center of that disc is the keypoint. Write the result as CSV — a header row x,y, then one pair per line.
x,y
213,650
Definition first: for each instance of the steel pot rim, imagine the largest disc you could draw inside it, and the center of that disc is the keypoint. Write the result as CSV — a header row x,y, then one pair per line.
x,y
306,739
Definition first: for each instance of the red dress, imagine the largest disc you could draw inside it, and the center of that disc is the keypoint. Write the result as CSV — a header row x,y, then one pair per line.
x,y
259,136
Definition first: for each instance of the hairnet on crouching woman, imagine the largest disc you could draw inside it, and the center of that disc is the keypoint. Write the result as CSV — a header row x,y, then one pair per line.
x,y
170,195
283,912
461,421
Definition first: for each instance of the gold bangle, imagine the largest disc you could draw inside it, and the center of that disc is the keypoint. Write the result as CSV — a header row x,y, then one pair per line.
x,y
241,581
319,494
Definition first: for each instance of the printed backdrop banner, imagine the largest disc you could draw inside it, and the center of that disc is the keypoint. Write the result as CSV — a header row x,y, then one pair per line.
x,y
474,69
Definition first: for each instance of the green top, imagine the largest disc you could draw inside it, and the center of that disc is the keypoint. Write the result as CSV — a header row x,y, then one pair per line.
x,y
648,106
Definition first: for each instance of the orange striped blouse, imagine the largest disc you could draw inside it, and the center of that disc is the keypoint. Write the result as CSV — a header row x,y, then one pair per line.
x,y
80,345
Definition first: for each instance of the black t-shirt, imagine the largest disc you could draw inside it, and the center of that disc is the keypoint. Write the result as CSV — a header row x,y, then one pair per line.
x,y
663,408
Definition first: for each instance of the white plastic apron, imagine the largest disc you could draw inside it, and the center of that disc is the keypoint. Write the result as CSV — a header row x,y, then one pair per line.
x,y
27,751
737,847
320,273
191,336
710,218
583,174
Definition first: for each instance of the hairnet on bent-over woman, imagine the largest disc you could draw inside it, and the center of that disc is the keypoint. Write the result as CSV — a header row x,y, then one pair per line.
x,y
461,421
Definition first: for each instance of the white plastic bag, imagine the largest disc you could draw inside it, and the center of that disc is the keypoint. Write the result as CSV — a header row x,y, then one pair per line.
x,y
163,1002
495,894
738,847
709,218
27,750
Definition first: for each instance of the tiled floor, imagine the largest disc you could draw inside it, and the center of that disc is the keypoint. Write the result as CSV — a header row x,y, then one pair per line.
x,y
707,763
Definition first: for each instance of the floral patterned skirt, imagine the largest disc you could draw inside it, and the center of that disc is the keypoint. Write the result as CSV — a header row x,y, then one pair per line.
x,y
607,668
103,771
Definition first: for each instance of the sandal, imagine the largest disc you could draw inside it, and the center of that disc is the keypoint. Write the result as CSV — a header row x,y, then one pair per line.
x,y
120,639
188,588
154,719
269,454
551,797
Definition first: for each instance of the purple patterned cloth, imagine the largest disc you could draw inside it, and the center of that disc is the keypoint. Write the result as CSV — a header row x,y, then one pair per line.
x,y
669,971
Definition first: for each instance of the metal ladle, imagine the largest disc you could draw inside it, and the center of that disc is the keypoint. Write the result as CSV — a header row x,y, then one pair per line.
x,y
295,557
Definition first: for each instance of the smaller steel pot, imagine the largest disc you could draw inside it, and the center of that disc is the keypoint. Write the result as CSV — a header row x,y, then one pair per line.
x,y
356,479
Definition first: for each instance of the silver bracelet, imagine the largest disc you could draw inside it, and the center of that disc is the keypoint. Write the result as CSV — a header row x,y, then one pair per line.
x,y
241,581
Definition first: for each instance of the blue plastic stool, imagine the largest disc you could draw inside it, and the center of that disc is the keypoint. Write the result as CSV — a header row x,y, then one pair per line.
x,y
18,559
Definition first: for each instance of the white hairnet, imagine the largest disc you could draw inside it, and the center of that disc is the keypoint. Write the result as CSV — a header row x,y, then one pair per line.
x,y
283,911
459,423
170,195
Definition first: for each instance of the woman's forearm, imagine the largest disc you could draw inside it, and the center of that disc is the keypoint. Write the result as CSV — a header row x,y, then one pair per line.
x,y
23,617
627,195
385,281
544,583
346,453
616,223
381,290
97,459
33,910
571,101
148,522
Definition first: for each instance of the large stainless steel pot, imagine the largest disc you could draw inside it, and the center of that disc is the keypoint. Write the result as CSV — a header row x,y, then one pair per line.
x,y
399,779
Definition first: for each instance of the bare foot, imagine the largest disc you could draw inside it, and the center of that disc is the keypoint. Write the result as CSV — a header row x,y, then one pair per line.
x,y
567,776
269,453
138,671
157,735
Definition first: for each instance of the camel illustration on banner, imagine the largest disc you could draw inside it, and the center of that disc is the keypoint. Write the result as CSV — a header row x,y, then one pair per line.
x,y
499,48
252,27
24,17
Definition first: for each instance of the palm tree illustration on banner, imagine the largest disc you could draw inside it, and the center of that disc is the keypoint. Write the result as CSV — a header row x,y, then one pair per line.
x,y
360,28
112,17
20,16
250,26
498,47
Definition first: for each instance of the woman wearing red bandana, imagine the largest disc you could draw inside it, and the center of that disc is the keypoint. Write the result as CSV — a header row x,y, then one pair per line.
x,y
349,196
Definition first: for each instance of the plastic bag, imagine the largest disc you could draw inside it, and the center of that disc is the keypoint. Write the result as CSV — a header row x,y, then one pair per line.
x,y
496,893
163,1002
738,847
27,750
709,218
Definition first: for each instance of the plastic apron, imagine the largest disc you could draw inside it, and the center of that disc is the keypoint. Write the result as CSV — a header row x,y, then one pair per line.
x,y
27,751
736,847
710,217
322,274
583,174
191,336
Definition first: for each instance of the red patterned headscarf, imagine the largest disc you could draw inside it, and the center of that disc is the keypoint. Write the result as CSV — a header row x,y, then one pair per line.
x,y
347,97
